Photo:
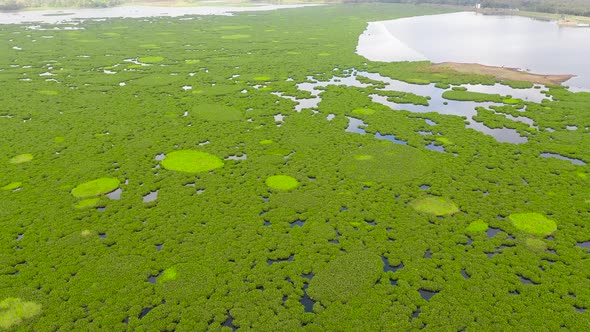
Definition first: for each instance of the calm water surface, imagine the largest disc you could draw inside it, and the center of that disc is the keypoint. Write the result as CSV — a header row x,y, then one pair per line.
x,y
511,41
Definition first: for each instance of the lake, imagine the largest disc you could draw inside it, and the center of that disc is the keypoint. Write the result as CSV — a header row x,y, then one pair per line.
x,y
540,47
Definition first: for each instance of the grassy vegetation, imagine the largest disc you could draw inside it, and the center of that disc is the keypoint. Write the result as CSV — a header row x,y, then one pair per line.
x,y
96,187
14,310
219,247
345,277
282,182
191,161
21,158
477,226
473,96
534,223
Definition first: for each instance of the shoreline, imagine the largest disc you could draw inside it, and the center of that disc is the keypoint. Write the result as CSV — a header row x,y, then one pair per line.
x,y
377,43
503,73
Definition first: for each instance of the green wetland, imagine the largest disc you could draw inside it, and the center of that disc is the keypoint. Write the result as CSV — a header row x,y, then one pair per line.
x,y
252,172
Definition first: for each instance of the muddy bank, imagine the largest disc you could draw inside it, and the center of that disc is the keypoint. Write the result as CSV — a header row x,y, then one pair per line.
x,y
503,73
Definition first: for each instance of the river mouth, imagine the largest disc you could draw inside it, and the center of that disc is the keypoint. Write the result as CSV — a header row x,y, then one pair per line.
x,y
507,47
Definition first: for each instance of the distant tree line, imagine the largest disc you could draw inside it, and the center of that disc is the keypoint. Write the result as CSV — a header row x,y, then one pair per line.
x,y
569,7
20,4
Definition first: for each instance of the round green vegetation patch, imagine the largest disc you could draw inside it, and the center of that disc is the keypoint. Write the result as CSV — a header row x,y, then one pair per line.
x,y
391,163
151,59
363,157
262,78
96,187
282,182
237,36
191,161
21,158
478,226
266,141
167,275
345,277
87,203
48,92
14,310
444,140
12,186
511,101
437,206
363,111
534,223
537,245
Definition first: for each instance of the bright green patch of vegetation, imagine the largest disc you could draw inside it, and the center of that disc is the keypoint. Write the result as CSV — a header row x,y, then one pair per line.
x,y
363,157
48,92
511,101
191,161
477,226
345,277
151,59
363,111
443,140
437,206
534,223
236,36
282,182
262,78
167,275
21,158
96,187
13,311
12,186
87,203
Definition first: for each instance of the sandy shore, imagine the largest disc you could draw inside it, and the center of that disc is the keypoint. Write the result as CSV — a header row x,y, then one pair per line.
x,y
503,73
